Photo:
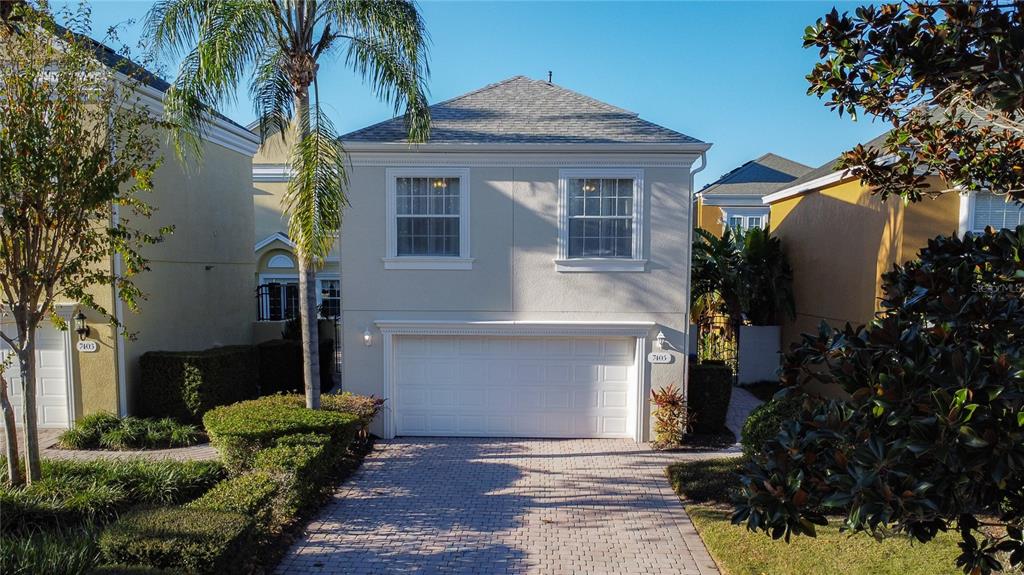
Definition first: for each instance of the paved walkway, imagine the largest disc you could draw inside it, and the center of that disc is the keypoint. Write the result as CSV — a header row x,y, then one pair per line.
x,y
485,506
741,404
49,450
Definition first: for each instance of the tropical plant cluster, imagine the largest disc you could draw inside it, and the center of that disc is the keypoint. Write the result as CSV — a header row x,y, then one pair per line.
x,y
931,438
107,431
670,416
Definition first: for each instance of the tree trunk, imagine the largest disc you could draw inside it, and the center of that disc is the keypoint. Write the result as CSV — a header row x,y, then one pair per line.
x,y
307,286
14,476
27,364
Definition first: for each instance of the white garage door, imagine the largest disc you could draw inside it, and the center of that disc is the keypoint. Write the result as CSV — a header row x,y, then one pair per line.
x,y
515,386
51,377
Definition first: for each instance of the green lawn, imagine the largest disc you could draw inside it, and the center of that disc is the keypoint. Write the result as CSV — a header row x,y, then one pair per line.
x,y
705,485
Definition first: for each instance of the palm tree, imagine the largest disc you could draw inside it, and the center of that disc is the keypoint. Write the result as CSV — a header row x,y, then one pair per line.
x,y
278,44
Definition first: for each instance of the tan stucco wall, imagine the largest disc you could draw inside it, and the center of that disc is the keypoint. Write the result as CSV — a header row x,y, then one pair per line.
x,y
201,284
514,232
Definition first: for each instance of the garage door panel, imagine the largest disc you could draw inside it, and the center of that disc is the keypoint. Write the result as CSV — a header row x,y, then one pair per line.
x,y
515,386
51,378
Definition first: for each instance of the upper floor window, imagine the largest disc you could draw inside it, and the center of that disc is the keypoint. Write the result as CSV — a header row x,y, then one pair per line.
x,y
992,210
601,227
743,219
277,297
428,219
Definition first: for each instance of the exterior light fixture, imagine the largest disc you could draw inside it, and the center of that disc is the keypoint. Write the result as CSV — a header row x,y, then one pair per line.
x,y
660,340
81,328
367,338
440,183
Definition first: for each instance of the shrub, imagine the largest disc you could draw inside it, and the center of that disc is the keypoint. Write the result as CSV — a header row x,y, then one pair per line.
x,y
76,492
240,430
709,392
128,570
180,539
280,366
669,416
300,467
185,385
251,494
765,422
106,431
365,407
70,551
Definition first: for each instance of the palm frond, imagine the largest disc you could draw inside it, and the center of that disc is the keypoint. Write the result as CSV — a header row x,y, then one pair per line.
x,y
229,37
316,192
272,93
388,48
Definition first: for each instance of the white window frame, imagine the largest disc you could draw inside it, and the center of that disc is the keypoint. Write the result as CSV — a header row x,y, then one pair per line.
x,y
746,213
282,277
391,259
967,205
638,263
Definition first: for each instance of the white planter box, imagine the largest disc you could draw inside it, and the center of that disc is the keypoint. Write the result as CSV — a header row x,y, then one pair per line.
x,y
759,353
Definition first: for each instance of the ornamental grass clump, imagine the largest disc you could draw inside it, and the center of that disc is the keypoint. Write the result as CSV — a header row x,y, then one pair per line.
x,y
107,431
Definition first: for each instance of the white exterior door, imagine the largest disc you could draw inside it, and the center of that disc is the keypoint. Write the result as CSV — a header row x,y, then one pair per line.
x,y
515,386
51,377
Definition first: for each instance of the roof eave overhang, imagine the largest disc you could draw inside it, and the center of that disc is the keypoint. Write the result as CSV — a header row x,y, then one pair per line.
x,y
436,148
808,186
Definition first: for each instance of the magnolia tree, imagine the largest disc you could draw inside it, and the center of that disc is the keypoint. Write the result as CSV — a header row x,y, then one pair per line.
x,y
932,436
77,150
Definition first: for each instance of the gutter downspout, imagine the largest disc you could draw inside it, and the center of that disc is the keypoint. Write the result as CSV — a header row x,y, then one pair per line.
x,y
689,279
119,338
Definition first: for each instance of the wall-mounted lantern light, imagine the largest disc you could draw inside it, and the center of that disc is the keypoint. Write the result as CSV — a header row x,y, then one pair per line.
x,y
81,328
367,338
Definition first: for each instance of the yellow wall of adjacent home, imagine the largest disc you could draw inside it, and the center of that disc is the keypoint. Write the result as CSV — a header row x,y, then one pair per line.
x,y
928,218
710,218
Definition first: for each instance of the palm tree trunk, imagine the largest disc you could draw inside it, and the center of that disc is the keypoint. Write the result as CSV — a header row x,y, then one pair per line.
x,y
14,476
27,364
307,286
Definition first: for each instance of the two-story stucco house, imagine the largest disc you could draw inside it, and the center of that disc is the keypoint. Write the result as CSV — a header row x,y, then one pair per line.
x,y
510,276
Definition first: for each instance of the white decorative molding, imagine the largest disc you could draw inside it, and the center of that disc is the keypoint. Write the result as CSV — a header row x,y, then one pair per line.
x,y
274,237
392,261
592,265
514,161
271,172
642,388
722,200
808,186
281,261
427,263
516,328
966,216
388,415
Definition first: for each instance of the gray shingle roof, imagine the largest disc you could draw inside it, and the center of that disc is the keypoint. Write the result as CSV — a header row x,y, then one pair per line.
x,y
759,177
524,111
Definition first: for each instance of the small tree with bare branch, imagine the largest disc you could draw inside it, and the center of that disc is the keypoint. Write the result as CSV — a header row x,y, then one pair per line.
x,y
77,149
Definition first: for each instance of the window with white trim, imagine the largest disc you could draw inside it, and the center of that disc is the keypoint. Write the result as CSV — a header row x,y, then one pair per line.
x,y
601,225
278,297
743,219
428,216
994,210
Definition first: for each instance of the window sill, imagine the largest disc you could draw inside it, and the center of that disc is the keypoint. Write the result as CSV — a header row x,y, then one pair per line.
x,y
600,265
428,263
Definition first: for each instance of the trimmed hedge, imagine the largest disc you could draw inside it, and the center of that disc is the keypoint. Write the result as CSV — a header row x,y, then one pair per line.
x,y
180,539
239,430
765,422
251,494
709,392
127,570
185,385
301,469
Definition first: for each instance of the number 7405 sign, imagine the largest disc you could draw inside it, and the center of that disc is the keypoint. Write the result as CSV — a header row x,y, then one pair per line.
x,y
659,357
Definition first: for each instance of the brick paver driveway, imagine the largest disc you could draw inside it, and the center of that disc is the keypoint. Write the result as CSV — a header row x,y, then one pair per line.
x,y
504,506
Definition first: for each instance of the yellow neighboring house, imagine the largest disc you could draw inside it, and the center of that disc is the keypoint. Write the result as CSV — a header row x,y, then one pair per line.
x,y
735,198
199,288
840,238
277,271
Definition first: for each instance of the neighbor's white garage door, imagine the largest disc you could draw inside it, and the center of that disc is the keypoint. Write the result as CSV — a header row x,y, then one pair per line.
x,y
515,386
51,377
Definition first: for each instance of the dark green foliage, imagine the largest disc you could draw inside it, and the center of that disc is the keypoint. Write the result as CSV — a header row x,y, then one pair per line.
x,y
280,366
708,480
326,355
107,431
708,395
765,422
931,438
71,551
76,492
251,494
179,539
185,385
128,570
365,407
300,467
240,430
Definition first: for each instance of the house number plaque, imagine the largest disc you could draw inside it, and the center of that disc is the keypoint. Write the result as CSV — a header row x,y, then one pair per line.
x,y
88,346
659,357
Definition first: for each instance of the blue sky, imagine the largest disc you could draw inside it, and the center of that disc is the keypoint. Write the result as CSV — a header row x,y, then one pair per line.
x,y
730,73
